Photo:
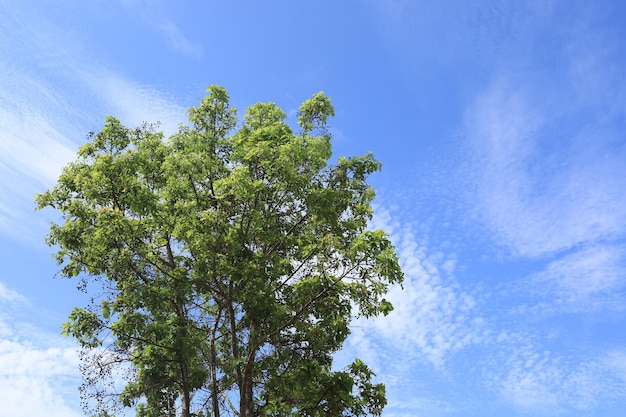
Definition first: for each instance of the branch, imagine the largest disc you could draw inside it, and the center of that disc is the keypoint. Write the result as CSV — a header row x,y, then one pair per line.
x,y
230,404
296,316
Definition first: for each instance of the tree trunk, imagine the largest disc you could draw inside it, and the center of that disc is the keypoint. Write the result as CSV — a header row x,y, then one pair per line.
x,y
246,403
184,408
214,384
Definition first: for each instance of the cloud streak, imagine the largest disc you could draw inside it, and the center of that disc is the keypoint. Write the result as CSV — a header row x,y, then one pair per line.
x,y
178,41
589,280
547,180
45,114
149,14
541,191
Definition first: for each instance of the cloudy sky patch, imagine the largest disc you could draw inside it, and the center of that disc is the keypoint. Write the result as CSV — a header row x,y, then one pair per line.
x,y
501,130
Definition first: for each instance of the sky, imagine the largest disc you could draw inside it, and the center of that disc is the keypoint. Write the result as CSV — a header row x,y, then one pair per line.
x,y
500,126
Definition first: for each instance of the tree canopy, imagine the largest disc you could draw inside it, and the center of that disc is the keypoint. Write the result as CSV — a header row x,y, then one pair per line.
x,y
225,264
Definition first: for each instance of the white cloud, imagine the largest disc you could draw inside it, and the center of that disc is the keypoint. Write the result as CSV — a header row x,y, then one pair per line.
x,y
8,295
584,281
418,406
528,380
540,382
540,190
546,138
132,102
37,152
615,361
51,96
35,379
433,317
437,326
434,320
547,174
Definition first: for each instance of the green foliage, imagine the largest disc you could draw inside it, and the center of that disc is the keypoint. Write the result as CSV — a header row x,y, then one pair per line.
x,y
229,264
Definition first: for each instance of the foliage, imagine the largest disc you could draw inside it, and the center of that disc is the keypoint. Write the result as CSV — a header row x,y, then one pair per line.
x,y
229,261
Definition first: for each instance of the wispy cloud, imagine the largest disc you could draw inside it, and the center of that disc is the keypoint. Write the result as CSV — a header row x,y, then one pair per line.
x,y
540,190
548,145
433,316
148,12
439,324
538,381
178,41
32,152
589,280
548,179
34,379
547,150
37,381
434,320
46,114
131,102
8,295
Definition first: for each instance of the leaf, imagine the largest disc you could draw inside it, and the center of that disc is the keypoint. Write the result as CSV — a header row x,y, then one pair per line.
x,y
223,264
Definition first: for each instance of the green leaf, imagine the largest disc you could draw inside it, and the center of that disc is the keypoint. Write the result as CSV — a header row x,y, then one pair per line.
x,y
223,264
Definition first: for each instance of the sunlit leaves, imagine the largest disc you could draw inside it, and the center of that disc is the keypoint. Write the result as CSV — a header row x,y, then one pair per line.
x,y
229,262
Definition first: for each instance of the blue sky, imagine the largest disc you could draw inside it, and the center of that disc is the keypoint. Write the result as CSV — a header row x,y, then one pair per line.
x,y
500,126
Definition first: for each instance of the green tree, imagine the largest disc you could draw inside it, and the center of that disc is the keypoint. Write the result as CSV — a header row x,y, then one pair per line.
x,y
228,262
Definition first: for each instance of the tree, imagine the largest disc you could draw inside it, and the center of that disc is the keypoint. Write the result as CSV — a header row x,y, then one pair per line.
x,y
228,260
